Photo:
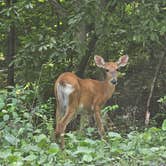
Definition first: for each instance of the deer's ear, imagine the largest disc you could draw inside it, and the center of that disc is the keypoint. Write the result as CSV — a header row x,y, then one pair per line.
x,y
123,61
99,61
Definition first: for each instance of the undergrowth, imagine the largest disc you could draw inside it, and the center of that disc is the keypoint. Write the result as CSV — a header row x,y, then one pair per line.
x,y
27,138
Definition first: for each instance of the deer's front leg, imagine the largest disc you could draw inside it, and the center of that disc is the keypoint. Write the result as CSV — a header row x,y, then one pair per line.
x,y
99,121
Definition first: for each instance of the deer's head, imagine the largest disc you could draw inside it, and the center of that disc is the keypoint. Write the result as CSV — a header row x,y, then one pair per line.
x,y
111,67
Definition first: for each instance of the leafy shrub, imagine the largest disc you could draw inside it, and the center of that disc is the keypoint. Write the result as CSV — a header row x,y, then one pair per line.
x,y
26,138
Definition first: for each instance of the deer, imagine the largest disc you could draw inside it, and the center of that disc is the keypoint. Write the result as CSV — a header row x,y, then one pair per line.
x,y
73,93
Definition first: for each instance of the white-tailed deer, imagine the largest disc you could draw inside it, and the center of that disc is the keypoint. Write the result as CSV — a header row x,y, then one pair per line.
x,y
73,93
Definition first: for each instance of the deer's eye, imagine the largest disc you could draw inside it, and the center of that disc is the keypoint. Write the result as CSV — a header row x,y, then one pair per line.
x,y
106,70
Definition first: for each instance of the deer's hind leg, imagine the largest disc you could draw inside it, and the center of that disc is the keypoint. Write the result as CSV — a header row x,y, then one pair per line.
x,y
69,115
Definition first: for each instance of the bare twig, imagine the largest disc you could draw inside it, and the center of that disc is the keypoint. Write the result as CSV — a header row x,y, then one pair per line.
x,y
147,115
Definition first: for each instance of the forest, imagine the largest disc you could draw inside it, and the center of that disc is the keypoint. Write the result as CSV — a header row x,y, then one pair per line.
x,y
41,39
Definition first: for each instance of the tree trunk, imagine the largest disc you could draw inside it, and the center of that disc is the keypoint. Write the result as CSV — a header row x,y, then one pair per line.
x,y
86,57
11,42
92,42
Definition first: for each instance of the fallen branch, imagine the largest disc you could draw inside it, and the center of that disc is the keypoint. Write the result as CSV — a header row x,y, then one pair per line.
x,y
147,115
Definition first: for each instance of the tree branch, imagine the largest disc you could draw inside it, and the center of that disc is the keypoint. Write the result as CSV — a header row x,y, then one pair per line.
x,y
147,115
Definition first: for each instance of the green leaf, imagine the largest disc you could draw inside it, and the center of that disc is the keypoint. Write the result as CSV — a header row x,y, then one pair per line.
x,y
42,141
54,149
31,157
5,154
162,100
147,136
61,1
154,37
2,104
163,30
6,117
13,158
154,129
145,151
42,1
40,137
89,141
11,139
87,158
82,149
114,134
29,148
164,125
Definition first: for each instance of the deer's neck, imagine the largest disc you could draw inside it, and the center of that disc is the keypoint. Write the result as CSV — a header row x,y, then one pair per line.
x,y
109,88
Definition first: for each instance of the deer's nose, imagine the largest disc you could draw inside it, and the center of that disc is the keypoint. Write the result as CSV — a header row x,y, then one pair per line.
x,y
114,81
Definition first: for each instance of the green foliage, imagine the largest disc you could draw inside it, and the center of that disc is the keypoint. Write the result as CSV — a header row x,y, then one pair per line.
x,y
52,40
162,100
109,108
26,138
61,36
164,125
